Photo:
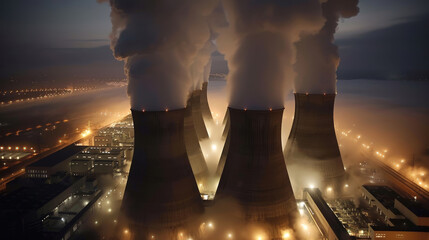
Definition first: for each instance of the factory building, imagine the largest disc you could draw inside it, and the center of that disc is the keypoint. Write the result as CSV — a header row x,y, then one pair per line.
x,y
399,232
255,174
383,198
30,211
120,134
312,145
400,213
161,194
53,163
98,160
329,224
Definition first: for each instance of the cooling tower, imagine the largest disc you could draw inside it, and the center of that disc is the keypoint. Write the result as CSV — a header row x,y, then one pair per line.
x,y
161,193
205,109
225,137
226,124
195,131
312,152
255,174
197,110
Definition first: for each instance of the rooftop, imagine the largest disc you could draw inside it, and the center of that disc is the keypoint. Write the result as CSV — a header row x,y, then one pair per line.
x,y
33,197
402,225
329,215
418,209
57,157
384,194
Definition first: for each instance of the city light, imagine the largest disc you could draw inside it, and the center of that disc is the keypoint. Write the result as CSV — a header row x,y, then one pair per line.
x,y
304,226
286,235
86,133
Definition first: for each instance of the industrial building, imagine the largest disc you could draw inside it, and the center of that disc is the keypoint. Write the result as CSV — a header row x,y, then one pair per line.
x,y
36,210
161,194
329,224
384,214
120,134
312,145
405,217
53,163
99,160
255,174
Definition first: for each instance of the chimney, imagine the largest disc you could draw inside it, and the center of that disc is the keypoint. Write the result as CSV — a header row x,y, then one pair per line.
x,y
255,174
195,131
312,146
161,194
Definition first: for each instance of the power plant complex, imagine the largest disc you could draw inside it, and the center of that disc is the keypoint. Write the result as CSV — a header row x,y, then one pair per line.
x,y
169,166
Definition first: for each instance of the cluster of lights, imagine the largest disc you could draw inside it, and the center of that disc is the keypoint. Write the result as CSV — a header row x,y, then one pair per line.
x,y
36,127
395,165
17,148
61,92
86,133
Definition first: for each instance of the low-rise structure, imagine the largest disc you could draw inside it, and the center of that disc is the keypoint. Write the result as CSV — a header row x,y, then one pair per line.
x,y
331,227
99,160
23,210
53,163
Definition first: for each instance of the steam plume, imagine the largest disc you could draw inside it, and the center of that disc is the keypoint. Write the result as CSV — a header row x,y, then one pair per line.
x,y
159,41
201,66
317,55
259,48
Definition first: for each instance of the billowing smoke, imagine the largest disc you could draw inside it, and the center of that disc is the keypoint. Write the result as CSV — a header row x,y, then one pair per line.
x,y
201,66
317,57
259,48
159,41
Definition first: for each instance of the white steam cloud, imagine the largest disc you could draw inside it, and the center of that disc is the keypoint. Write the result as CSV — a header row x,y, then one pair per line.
x,y
159,40
317,57
259,48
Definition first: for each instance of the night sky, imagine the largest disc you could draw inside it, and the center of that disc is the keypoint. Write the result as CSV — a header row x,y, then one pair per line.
x,y
68,39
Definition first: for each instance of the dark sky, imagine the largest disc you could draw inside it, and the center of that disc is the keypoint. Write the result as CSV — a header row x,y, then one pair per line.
x,y
47,38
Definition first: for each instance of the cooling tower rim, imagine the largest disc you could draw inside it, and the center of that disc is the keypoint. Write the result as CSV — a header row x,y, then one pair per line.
x,y
157,111
315,94
244,110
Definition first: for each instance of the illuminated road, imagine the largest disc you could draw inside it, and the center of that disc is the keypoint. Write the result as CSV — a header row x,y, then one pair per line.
x,y
400,181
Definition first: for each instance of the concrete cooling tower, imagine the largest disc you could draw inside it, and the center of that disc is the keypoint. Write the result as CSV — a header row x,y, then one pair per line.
x,y
225,137
312,154
255,174
205,109
195,131
161,193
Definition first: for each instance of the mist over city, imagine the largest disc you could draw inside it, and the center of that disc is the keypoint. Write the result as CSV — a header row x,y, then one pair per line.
x,y
214,119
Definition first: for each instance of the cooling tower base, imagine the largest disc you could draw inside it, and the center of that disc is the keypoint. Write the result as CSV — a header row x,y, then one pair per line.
x,y
312,154
161,191
255,174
